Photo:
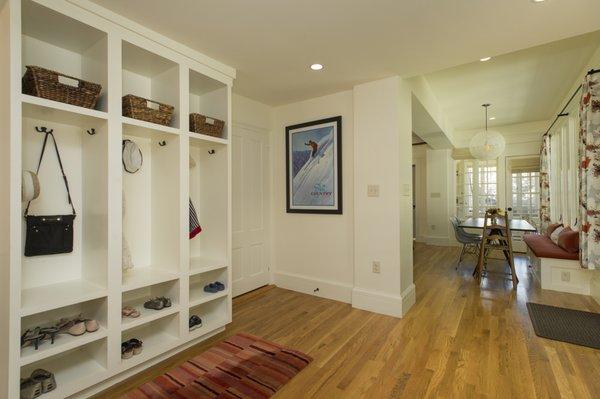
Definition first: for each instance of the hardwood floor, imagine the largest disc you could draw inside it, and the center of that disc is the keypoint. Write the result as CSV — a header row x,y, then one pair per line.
x,y
457,341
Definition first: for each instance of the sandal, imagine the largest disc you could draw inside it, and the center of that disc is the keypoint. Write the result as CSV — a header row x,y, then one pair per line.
x,y
49,333
155,304
126,350
128,311
31,336
166,301
45,378
91,325
212,288
30,389
72,327
137,345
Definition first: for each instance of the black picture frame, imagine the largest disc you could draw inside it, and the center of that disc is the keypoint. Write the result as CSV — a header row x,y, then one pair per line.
x,y
337,208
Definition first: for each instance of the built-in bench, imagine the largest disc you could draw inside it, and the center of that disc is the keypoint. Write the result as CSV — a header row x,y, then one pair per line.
x,y
556,268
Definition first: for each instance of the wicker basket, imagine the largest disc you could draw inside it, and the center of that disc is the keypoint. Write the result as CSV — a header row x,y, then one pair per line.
x,y
56,86
205,125
147,110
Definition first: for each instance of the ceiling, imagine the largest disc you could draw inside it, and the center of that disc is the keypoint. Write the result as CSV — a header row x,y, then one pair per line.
x,y
523,86
272,42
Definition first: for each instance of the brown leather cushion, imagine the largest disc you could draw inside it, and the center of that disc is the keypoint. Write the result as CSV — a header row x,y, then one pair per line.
x,y
569,240
551,228
543,247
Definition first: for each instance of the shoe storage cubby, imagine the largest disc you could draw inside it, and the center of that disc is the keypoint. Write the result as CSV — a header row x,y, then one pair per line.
x,y
73,368
156,337
149,209
57,42
208,97
150,76
199,281
208,193
214,314
137,298
50,281
151,205
94,310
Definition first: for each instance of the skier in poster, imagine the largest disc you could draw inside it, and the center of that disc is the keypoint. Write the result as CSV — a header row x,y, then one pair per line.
x,y
314,146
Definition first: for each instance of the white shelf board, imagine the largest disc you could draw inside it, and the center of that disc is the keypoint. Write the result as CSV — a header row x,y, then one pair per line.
x,y
207,138
140,277
199,297
53,296
57,112
199,265
135,127
62,343
146,315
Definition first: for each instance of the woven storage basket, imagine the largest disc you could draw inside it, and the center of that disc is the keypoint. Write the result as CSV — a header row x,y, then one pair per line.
x,y
147,110
205,125
56,86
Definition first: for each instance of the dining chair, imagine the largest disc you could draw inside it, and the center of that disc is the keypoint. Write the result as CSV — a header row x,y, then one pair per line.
x,y
470,242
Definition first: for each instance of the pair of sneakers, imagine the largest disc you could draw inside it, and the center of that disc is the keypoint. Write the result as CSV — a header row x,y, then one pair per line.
x,y
195,322
158,303
131,347
214,287
41,381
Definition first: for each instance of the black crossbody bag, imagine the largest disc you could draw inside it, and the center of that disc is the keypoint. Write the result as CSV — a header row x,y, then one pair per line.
x,y
52,234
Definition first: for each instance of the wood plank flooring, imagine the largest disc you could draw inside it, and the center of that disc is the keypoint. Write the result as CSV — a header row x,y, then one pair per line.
x,y
458,341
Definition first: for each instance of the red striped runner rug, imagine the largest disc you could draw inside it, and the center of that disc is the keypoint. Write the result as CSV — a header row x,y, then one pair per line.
x,y
242,366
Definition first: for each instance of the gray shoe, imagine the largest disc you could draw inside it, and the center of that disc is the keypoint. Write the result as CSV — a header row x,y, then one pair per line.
x,y
30,389
45,378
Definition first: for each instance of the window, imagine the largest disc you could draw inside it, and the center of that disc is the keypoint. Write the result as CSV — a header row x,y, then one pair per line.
x,y
476,187
526,196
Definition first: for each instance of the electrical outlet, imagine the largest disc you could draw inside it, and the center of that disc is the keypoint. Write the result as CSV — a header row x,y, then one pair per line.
x,y
565,276
376,267
432,227
373,190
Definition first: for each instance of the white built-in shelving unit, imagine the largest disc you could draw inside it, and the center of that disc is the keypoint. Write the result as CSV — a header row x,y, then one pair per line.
x,y
81,39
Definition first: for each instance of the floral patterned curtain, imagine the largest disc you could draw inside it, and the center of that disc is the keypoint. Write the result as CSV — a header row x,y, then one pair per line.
x,y
545,184
589,171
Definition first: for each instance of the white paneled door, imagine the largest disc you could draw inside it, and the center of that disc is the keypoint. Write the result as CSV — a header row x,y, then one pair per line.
x,y
250,168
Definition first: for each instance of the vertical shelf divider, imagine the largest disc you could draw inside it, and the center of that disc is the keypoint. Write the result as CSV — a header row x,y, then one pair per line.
x,y
184,103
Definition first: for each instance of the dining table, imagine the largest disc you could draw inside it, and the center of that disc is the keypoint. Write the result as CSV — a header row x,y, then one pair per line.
x,y
514,225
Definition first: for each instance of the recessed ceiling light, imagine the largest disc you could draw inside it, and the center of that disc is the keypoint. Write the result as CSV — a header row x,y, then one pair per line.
x,y
316,67
492,118
484,59
538,1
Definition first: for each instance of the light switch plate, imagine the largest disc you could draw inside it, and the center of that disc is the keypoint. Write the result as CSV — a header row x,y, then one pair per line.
x,y
373,190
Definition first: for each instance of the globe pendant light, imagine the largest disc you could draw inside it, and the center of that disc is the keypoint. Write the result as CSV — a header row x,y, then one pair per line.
x,y
487,144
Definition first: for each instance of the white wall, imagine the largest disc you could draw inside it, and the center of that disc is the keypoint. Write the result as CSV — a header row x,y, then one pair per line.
x,y
419,154
314,251
383,224
440,196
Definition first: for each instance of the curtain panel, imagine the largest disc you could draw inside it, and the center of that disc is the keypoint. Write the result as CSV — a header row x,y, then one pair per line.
x,y
545,219
589,168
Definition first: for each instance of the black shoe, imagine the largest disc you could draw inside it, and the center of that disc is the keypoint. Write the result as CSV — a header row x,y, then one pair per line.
x,y
195,322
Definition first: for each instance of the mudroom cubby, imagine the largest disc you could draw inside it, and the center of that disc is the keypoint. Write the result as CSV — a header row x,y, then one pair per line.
x,y
72,368
57,42
50,281
197,283
208,193
148,209
213,314
156,337
94,310
209,97
151,76
151,203
137,298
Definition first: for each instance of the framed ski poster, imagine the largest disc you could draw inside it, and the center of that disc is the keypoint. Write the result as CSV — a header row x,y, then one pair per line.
x,y
314,166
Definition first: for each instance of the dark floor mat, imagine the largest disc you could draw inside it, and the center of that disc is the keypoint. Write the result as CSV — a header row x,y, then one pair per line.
x,y
567,325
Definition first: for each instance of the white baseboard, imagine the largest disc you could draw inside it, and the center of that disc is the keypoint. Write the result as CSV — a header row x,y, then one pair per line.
x,y
307,285
391,305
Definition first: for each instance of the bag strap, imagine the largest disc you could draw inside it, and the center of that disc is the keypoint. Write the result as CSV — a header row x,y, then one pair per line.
x,y
37,171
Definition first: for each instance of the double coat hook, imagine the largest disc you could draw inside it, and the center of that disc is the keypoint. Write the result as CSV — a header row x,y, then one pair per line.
x,y
43,129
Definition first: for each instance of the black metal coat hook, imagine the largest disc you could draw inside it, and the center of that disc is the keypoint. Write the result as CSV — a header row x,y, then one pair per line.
x,y
91,132
43,129
162,143
211,152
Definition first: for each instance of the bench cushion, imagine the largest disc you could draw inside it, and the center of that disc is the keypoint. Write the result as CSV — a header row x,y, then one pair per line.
x,y
543,247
